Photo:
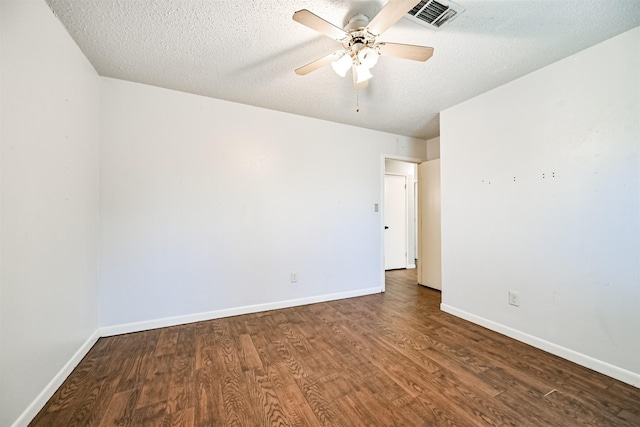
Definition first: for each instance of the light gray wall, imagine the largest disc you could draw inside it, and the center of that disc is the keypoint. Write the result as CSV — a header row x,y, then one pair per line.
x,y
49,202
433,148
208,205
540,195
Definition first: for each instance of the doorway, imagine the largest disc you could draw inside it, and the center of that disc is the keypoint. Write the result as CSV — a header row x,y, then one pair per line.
x,y
420,206
399,213
395,221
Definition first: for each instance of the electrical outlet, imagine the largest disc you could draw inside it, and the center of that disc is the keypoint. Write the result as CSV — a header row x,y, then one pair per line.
x,y
294,277
514,298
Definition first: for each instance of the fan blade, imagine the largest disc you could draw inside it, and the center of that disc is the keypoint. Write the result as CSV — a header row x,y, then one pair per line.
x,y
319,63
389,15
405,51
314,22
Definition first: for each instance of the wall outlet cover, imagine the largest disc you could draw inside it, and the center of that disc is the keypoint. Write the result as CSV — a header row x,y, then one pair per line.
x,y
514,298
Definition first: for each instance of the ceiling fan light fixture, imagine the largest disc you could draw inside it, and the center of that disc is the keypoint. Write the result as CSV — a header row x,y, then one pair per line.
x,y
368,57
342,65
361,74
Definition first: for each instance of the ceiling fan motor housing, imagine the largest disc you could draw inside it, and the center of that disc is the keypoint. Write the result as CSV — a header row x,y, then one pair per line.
x,y
359,38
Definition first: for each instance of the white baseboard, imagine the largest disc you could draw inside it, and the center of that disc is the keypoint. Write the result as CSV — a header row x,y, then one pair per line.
x,y
410,266
32,410
217,314
605,368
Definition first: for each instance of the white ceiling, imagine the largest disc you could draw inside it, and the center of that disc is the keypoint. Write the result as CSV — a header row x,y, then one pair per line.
x,y
246,51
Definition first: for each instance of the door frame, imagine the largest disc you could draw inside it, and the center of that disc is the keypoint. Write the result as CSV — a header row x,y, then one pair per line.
x,y
383,157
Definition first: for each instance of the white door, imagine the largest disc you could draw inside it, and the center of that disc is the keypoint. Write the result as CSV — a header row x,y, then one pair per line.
x,y
429,252
395,221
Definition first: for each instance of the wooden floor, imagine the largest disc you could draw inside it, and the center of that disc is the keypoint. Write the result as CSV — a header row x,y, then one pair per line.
x,y
390,359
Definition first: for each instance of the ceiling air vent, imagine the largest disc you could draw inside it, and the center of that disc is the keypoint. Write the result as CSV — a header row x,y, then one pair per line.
x,y
435,13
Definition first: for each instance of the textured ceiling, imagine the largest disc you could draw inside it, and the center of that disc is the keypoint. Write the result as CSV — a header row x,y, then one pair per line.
x,y
246,51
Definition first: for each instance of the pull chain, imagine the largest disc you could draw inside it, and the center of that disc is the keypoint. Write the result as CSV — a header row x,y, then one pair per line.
x,y
357,102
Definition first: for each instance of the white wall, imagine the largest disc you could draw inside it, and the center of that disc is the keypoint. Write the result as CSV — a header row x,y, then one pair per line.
x,y
433,148
208,205
568,242
48,216
409,170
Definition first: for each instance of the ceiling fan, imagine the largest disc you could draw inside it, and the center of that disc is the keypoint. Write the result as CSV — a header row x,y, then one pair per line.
x,y
359,39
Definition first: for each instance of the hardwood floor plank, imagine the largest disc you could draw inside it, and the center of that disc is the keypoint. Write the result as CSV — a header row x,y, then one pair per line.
x,y
237,409
205,348
151,415
285,385
391,359
94,403
466,394
182,391
629,417
440,413
368,409
291,397
264,399
120,409
625,395
323,409
167,341
156,385
209,406
297,340
352,412
413,413
249,353
135,366
184,418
